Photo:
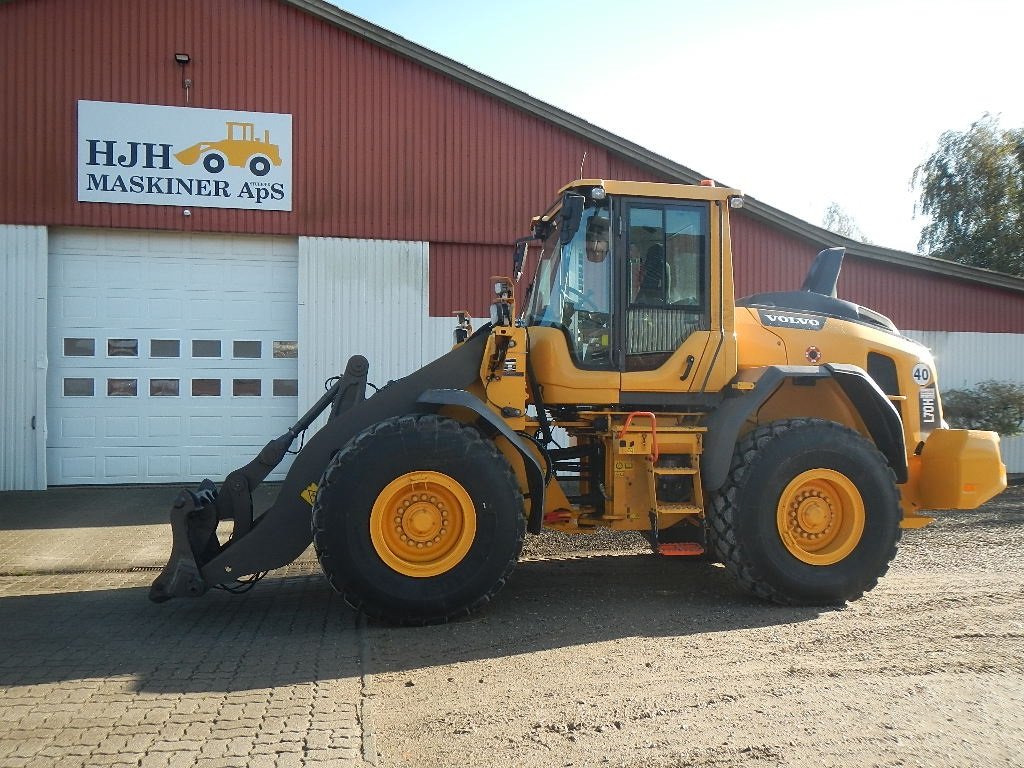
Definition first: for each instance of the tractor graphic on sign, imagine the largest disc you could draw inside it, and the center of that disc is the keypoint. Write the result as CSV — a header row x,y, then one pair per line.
x,y
239,148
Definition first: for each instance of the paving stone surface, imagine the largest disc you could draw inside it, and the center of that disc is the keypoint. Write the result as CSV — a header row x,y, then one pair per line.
x,y
94,674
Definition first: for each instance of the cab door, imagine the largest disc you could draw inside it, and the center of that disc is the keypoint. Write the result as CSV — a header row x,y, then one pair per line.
x,y
672,320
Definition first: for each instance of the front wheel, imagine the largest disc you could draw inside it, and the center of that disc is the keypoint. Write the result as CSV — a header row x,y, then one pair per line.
x,y
809,515
418,520
214,162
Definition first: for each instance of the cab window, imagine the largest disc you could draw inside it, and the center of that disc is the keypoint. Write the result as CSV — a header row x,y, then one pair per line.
x,y
667,298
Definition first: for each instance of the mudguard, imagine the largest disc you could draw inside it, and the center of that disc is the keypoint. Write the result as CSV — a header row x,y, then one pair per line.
x,y
879,415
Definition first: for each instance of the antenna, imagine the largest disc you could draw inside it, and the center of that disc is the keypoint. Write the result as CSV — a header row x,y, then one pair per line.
x,y
582,163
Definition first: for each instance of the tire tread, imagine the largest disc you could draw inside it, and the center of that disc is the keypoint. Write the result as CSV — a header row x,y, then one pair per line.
x,y
460,441
724,512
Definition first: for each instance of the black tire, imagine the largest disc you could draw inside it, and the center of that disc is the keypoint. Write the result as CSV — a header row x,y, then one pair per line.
x,y
746,515
259,165
359,550
213,162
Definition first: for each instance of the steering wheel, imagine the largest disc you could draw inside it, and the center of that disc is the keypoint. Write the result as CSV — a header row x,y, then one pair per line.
x,y
592,323
592,335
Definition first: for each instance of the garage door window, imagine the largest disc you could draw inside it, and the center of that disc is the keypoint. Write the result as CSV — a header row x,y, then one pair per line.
x,y
205,387
79,347
247,350
122,347
164,348
246,387
79,388
122,387
286,349
206,348
164,388
286,387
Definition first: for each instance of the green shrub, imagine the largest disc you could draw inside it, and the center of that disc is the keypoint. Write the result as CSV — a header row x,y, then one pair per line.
x,y
994,405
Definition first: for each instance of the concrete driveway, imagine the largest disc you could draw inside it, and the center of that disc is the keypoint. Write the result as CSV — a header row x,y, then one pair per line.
x,y
94,674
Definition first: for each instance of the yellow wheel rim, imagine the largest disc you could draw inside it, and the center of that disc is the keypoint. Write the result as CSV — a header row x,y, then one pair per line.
x,y
820,517
423,524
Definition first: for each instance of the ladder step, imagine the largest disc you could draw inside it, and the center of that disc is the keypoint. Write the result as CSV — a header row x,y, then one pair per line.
x,y
683,549
675,471
679,509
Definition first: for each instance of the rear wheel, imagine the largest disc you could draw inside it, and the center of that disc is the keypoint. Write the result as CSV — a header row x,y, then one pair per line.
x,y
418,520
809,516
259,165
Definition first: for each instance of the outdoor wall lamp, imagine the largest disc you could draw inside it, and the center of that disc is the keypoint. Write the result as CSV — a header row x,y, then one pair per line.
x,y
182,59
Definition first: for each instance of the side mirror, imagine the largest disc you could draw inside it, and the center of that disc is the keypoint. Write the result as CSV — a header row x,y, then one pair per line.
x,y
519,258
571,215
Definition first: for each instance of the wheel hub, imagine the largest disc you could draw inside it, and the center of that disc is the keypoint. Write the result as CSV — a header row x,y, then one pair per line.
x,y
820,517
423,523
812,514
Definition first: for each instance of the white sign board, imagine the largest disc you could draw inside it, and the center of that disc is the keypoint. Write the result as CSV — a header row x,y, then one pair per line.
x,y
154,155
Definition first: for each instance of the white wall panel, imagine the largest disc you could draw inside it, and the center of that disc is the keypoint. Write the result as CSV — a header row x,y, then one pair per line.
x,y
23,268
364,297
1012,449
964,359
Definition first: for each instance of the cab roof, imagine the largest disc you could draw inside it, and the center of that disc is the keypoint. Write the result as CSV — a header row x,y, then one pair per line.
x,y
643,189
655,189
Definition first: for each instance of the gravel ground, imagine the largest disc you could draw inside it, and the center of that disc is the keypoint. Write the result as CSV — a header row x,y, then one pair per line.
x,y
598,653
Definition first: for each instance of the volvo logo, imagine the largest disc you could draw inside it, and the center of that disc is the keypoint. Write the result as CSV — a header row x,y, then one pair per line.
x,y
779,320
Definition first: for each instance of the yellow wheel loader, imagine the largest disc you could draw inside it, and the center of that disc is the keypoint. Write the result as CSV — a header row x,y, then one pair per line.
x,y
790,435
240,148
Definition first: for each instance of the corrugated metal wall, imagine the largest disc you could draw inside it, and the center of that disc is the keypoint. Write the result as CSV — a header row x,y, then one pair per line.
x,y
467,270
926,301
767,259
23,358
385,148
965,359
360,297
1012,450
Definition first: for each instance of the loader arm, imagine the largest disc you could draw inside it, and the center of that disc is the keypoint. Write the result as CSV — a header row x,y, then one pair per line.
x,y
283,532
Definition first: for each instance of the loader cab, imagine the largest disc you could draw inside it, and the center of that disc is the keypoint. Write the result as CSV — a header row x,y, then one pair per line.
x,y
627,285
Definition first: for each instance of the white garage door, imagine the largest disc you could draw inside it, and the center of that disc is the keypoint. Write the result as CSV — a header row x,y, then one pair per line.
x,y
172,357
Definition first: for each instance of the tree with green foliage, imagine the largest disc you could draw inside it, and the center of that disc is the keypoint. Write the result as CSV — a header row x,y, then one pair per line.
x,y
995,405
972,187
839,221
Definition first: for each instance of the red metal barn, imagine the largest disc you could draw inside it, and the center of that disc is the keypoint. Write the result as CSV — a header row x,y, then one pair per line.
x,y
207,205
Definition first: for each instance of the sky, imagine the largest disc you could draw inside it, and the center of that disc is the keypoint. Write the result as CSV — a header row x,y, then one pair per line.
x,y
799,103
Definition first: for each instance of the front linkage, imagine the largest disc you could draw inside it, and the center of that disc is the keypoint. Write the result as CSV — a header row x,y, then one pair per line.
x,y
195,514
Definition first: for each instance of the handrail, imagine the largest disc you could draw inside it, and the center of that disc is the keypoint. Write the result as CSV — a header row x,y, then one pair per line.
x,y
654,430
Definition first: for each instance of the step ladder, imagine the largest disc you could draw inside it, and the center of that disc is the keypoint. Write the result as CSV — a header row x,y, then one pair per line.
x,y
640,444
